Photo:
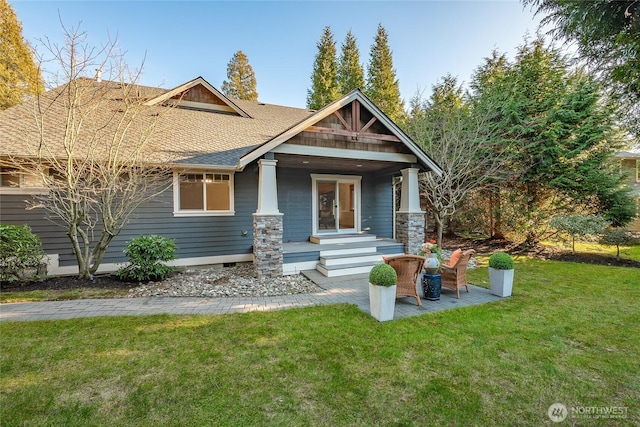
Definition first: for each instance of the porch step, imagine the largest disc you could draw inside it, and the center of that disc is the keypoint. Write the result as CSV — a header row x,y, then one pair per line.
x,y
333,239
335,260
346,269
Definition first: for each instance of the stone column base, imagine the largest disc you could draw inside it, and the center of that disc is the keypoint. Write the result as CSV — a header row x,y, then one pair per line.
x,y
410,230
267,245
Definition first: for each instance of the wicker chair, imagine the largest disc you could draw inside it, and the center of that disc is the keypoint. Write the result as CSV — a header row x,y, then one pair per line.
x,y
454,277
408,268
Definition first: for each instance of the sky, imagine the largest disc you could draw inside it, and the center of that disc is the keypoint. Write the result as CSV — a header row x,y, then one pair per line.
x,y
181,40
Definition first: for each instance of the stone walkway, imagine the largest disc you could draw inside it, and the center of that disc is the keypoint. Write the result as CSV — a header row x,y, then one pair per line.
x,y
347,289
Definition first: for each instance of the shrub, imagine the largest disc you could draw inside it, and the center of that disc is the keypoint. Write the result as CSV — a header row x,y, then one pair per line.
x,y
383,275
501,261
146,254
20,253
579,226
618,237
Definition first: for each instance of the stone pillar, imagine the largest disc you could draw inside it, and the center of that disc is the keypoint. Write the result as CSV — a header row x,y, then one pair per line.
x,y
267,223
410,219
267,245
410,231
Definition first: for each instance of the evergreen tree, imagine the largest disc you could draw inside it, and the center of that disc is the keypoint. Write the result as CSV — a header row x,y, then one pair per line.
x,y
562,134
606,34
350,72
382,84
19,75
242,79
324,86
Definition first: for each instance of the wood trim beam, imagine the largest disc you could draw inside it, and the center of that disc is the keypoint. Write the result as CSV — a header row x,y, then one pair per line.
x,y
343,121
306,150
368,125
376,136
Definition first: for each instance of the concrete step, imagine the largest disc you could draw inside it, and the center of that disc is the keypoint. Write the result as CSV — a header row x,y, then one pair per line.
x,y
331,239
333,260
346,269
350,249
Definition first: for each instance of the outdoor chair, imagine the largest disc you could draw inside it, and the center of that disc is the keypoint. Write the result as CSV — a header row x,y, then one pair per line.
x,y
408,268
454,275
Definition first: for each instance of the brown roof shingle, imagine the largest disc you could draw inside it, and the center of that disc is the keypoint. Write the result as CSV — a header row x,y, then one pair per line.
x,y
181,136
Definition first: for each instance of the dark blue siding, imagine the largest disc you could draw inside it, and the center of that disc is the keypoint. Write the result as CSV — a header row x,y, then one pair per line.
x,y
215,235
195,236
294,201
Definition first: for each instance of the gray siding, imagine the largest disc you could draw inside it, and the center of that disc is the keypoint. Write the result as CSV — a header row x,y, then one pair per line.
x,y
214,236
377,205
195,236
294,201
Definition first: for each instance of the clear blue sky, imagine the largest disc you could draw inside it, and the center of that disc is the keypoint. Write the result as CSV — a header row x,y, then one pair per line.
x,y
183,40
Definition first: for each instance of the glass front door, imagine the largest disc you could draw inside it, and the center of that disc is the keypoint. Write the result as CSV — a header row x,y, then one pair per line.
x,y
336,206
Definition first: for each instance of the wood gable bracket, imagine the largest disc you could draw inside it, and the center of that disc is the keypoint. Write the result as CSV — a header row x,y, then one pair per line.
x,y
355,129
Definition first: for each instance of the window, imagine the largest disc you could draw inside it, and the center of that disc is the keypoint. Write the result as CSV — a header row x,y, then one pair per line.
x,y
9,178
203,193
13,181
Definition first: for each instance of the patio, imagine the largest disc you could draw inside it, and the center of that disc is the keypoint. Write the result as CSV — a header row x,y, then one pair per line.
x,y
351,289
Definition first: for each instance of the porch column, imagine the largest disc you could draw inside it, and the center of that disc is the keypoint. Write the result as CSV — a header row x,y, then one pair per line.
x,y
410,219
267,223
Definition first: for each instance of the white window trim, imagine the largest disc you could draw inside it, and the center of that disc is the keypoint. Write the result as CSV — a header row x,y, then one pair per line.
x,y
356,180
177,212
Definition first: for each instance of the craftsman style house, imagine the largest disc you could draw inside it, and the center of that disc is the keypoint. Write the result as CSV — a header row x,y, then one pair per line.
x,y
286,188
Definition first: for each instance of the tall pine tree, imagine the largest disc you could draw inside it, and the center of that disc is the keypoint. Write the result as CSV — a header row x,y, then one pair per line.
x,y
324,79
562,133
19,75
242,79
350,72
382,84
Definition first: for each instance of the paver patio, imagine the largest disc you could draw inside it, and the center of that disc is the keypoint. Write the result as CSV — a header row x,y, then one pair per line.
x,y
346,289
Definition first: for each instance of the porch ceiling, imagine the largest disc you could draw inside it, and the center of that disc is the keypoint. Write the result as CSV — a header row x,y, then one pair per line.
x,y
331,163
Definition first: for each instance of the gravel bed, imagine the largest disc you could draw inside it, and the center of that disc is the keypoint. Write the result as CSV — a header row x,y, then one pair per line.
x,y
237,281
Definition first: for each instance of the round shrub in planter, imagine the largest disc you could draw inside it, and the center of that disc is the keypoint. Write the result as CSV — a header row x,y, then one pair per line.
x,y
146,255
501,269
382,292
383,275
501,261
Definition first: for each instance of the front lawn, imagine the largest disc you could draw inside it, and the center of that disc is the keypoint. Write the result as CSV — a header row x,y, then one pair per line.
x,y
570,334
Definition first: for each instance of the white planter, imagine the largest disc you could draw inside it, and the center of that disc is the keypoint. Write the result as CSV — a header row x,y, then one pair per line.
x,y
382,302
501,282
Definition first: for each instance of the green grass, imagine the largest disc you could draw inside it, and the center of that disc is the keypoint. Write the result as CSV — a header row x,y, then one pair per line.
x,y
629,252
570,334
61,295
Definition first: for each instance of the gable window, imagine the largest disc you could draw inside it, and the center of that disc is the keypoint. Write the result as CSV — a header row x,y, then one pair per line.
x,y
202,193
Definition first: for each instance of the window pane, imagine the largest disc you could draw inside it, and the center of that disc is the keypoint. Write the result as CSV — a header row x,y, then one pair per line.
x,y
9,177
218,196
191,196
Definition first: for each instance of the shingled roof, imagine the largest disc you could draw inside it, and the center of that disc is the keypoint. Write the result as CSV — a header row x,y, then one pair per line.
x,y
188,136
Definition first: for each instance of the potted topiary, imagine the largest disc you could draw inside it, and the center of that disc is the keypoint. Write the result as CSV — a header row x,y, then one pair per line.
x,y
501,274
382,291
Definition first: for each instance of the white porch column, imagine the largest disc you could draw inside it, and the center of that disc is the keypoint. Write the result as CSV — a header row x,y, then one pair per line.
x,y
410,192
267,188
410,218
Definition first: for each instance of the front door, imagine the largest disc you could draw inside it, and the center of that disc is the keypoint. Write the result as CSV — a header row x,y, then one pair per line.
x,y
336,204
